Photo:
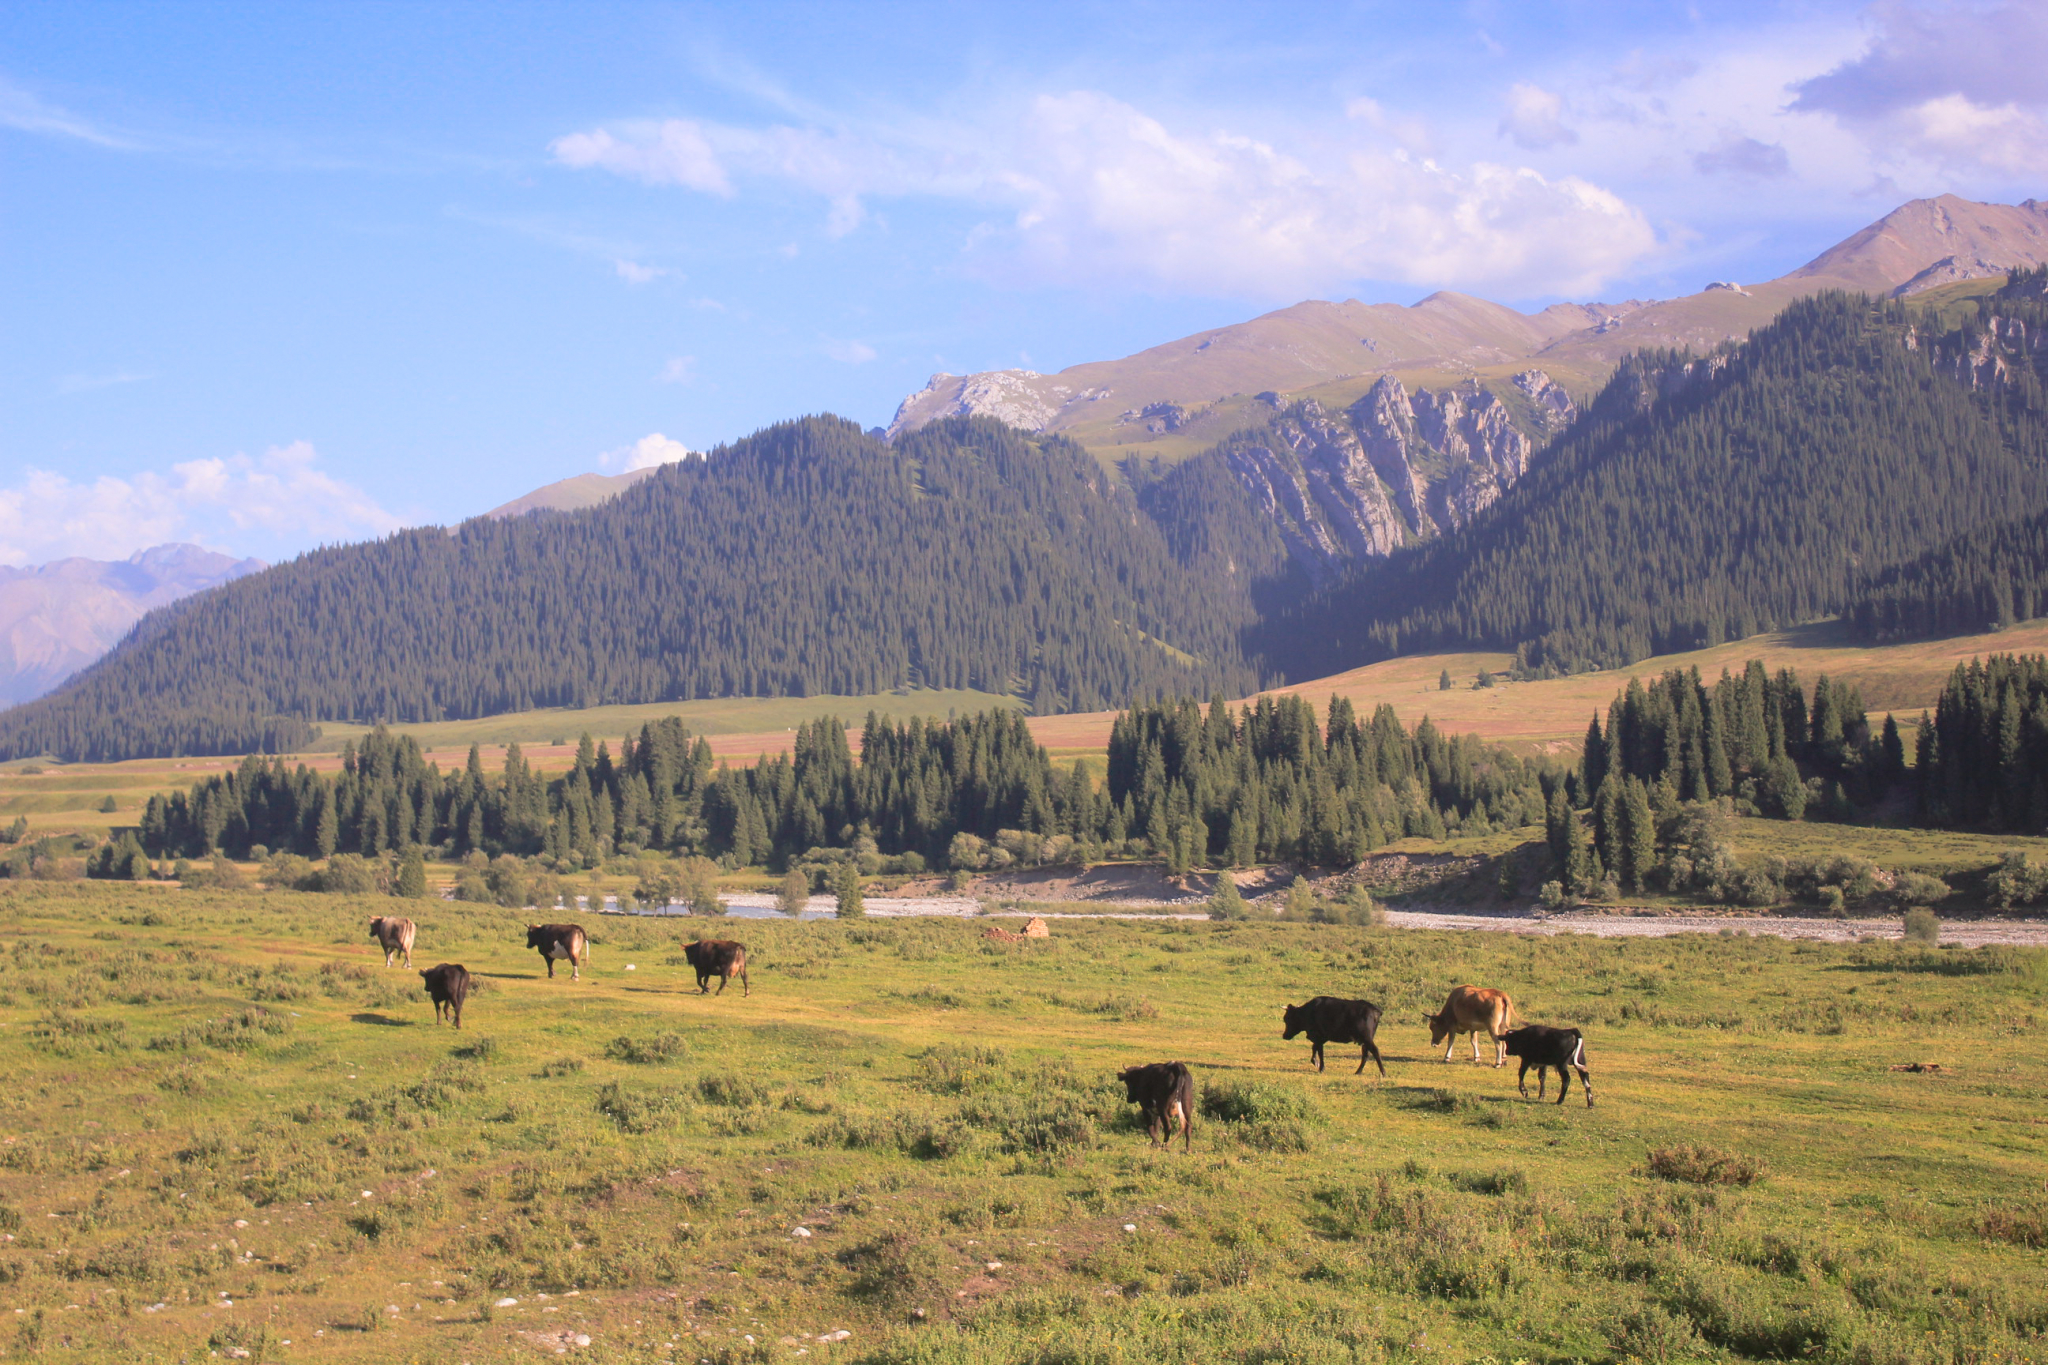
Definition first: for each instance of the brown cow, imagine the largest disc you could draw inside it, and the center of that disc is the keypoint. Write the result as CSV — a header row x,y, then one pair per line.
x,y
557,942
1473,1009
447,987
1165,1093
395,935
719,957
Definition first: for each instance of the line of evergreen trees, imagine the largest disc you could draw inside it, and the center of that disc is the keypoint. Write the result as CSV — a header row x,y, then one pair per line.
x,y
1760,745
1186,784
1704,500
808,559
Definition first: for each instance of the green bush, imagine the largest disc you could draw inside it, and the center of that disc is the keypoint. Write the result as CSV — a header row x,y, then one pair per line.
x,y
1922,926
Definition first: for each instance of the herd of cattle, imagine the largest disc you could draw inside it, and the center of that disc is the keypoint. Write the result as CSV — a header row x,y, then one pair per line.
x,y
1163,1091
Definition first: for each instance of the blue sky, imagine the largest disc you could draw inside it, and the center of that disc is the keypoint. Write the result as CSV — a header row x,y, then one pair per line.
x,y
272,276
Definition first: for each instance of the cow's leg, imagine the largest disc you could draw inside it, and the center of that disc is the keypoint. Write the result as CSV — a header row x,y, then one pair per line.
x,y
1450,1047
575,967
550,960
1522,1079
1500,1050
746,987
1586,1081
1475,1046
723,977
1315,1053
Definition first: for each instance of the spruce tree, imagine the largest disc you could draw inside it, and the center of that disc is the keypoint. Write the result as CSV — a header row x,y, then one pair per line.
x,y
847,892
411,880
1639,835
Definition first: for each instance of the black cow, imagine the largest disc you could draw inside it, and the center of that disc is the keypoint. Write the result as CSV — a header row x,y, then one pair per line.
x,y
1326,1019
1543,1047
1165,1092
447,987
719,957
560,941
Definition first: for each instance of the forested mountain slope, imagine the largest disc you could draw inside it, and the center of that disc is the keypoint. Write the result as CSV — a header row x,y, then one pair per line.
x,y
810,557
1703,500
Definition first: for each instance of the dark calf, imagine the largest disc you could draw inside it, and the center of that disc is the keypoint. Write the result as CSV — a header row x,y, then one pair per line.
x,y
447,987
1326,1019
1165,1093
1543,1047
719,957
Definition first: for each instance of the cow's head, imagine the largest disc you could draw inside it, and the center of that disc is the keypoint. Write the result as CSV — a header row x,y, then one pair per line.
x,y
692,952
377,927
1292,1022
1129,1077
533,936
1439,1026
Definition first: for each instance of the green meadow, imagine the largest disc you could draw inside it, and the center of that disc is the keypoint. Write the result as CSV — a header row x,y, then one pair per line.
x,y
232,1133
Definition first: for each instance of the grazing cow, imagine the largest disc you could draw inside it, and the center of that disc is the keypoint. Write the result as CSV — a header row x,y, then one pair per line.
x,y
1543,1048
394,935
1165,1093
557,942
719,957
1327,1019
447,987
1472,1009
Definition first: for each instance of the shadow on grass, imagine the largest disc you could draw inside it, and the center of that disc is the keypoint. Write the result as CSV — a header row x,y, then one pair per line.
x,y
383,1019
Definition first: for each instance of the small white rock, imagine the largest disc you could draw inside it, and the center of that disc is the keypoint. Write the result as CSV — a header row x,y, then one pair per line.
x,y
1130,1227
800,1232
995,1265
840,1335
629,966
506,1303
583,1338
241,1222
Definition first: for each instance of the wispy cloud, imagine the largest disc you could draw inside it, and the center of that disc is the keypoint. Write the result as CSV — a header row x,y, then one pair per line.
x,y
680,369
850,352
276,500
632,272
86,383
24,112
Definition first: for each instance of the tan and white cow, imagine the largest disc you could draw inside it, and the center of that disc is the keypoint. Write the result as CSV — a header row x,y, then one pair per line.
x,y
394,934
1473,1009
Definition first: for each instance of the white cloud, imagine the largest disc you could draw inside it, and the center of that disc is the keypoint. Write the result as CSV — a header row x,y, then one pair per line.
x,y
1113,194
850,352
1096,192
635,273
278,500
649,452
680,369
672,153
1535,118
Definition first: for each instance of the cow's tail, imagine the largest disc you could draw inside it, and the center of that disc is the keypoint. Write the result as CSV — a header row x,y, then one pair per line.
x,y
1578,1049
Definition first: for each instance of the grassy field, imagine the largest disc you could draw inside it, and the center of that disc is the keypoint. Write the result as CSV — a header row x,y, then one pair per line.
x,y
231,1130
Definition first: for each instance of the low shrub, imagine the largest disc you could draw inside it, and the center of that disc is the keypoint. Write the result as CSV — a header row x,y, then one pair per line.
x,y
650,1051
1702,1165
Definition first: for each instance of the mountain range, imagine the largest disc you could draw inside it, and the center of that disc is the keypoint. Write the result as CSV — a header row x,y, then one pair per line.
x,y
58,617
1684,494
